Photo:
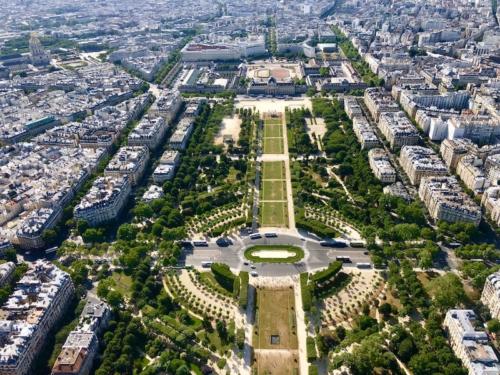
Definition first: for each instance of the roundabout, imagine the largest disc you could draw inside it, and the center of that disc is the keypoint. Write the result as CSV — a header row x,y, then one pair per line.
x,y
274,253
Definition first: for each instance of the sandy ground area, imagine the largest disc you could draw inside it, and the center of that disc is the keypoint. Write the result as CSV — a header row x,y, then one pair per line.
x,y
316,126
341,308
272,105
230,126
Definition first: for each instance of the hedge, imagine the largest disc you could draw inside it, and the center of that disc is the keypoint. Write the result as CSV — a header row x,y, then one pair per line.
x,y
305,291
311,349
223,275
315,227
243,301
236,287
328,273
313,370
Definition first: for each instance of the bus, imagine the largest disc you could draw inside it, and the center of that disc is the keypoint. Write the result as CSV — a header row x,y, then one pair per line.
x,y
270,235
51,250
343,258
357,244
206,264
255,236
333,243
200,243
364,265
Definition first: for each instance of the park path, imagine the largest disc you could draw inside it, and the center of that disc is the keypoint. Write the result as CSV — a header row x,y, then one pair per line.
x,y
288,177
301,327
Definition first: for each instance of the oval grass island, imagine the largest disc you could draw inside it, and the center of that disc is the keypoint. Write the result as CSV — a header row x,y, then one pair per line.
x,y
274,254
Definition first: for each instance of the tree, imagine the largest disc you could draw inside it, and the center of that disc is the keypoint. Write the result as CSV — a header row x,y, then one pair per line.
x,y
447,291
114,299
92,235
494,326
127,232
385,309
49,236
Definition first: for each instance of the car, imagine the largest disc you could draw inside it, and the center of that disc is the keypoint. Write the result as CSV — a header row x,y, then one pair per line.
x,y
365,253
224,242
255,236
302,239
254,274
253,267
246,263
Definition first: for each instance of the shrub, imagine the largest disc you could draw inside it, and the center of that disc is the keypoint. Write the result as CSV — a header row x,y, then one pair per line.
x,y
305,291
243,300
311,349
223,275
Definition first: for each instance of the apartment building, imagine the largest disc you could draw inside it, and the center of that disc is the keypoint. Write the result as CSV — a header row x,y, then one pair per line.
x,y
491,294
397,129
149,132
104,201
419,162
30,232
130,161
167,105
352,108
166,168
81,346
6,272
364,133
180,138
491,203
471,172
37,303
381,165
470,344
446,201
452,150
378,101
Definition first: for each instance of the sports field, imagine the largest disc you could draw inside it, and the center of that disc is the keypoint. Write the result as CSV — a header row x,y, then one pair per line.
x,y
273,200
273,136
275,321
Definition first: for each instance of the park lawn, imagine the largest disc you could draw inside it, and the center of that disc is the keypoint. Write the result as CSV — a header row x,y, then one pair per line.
x,y
272,120
273,170
275,316
273,131
274,214
123,283
273,190
273,146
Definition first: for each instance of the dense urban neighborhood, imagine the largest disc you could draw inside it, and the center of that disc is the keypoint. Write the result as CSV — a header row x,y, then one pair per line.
x,y
287,187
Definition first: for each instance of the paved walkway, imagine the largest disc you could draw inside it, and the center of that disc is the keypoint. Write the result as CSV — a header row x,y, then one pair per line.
x,y
289,191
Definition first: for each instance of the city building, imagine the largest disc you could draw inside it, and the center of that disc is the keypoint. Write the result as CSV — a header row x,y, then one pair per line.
x,y
446,201
130,161
397,129
381,165
38,302
364,133
166,167
419,162
81,346
104,201
470,344
149,132
491,294
180,137
37,53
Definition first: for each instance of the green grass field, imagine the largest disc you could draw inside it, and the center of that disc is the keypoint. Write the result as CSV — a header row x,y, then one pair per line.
x,y
273,136
273,146
274,214
273,131
273,170
273,190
